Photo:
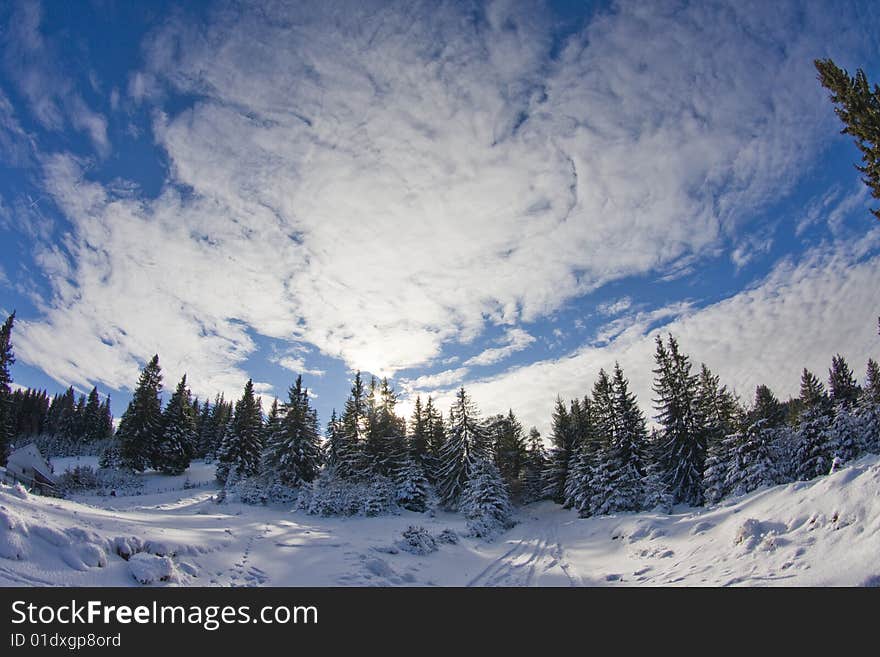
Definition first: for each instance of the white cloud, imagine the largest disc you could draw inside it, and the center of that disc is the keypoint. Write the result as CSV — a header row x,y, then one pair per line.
x,y
799,316
297,365
378,182
614,307
434,381
516,339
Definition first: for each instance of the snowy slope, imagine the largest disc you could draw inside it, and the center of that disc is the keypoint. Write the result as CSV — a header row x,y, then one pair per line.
x,y
824,532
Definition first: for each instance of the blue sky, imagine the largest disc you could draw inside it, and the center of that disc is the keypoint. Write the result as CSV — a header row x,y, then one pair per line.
x,y
503,195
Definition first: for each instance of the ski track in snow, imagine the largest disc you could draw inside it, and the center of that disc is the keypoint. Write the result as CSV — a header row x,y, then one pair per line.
x,y
823,532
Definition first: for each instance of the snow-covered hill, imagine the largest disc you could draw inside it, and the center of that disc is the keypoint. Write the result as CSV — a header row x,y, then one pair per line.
x,y
823,532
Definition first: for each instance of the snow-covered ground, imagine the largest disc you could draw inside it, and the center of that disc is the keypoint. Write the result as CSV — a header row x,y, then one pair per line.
x,y
823,532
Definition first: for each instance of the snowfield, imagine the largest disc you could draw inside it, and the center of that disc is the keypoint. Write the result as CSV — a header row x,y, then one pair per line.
x,y
825,532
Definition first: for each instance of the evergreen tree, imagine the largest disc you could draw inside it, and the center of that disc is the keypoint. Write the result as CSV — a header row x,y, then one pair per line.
x,y
812,454
684,441
176,444
619,478
7,358
509,450
436,432
869,409
752,462
767,407
465,444
561,452
106,423
141,424
657,493
411,485
205,438
418,436
859,109
533,471
93,420
841,383
238,456
871,392
334,438
484,499
350,458
293,452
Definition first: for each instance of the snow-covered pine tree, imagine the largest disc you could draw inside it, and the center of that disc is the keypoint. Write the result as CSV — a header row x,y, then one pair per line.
x,y
93,429
869,409
623,459
562,450
7,358
842,387
351,460
466,443
293,454
657,495
411,486
334,438
386,432
715,472
751,459
485,501
141,425
242,444
509,449
533,471
418,433
176,444
684,441
812,451
845,433
587,446
436,431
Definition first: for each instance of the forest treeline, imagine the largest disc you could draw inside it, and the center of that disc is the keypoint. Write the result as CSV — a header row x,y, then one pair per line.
x,y
601,457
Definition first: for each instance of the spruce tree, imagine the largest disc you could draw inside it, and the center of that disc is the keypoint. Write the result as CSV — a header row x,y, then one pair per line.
x,y
293,454
177,442
466,443
767,407
509,450
561,452
418,433
622,469
411,486
684,440
350,457
752,463
657,494
858,107
141,425
812,453
533,471
485,501
238,456
842,386
7,358
436,431
93,421
868,410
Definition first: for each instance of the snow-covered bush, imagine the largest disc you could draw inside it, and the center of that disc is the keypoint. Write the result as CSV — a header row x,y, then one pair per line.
x,y
255,490
332,495
86,479
485,502
447,536
417,540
